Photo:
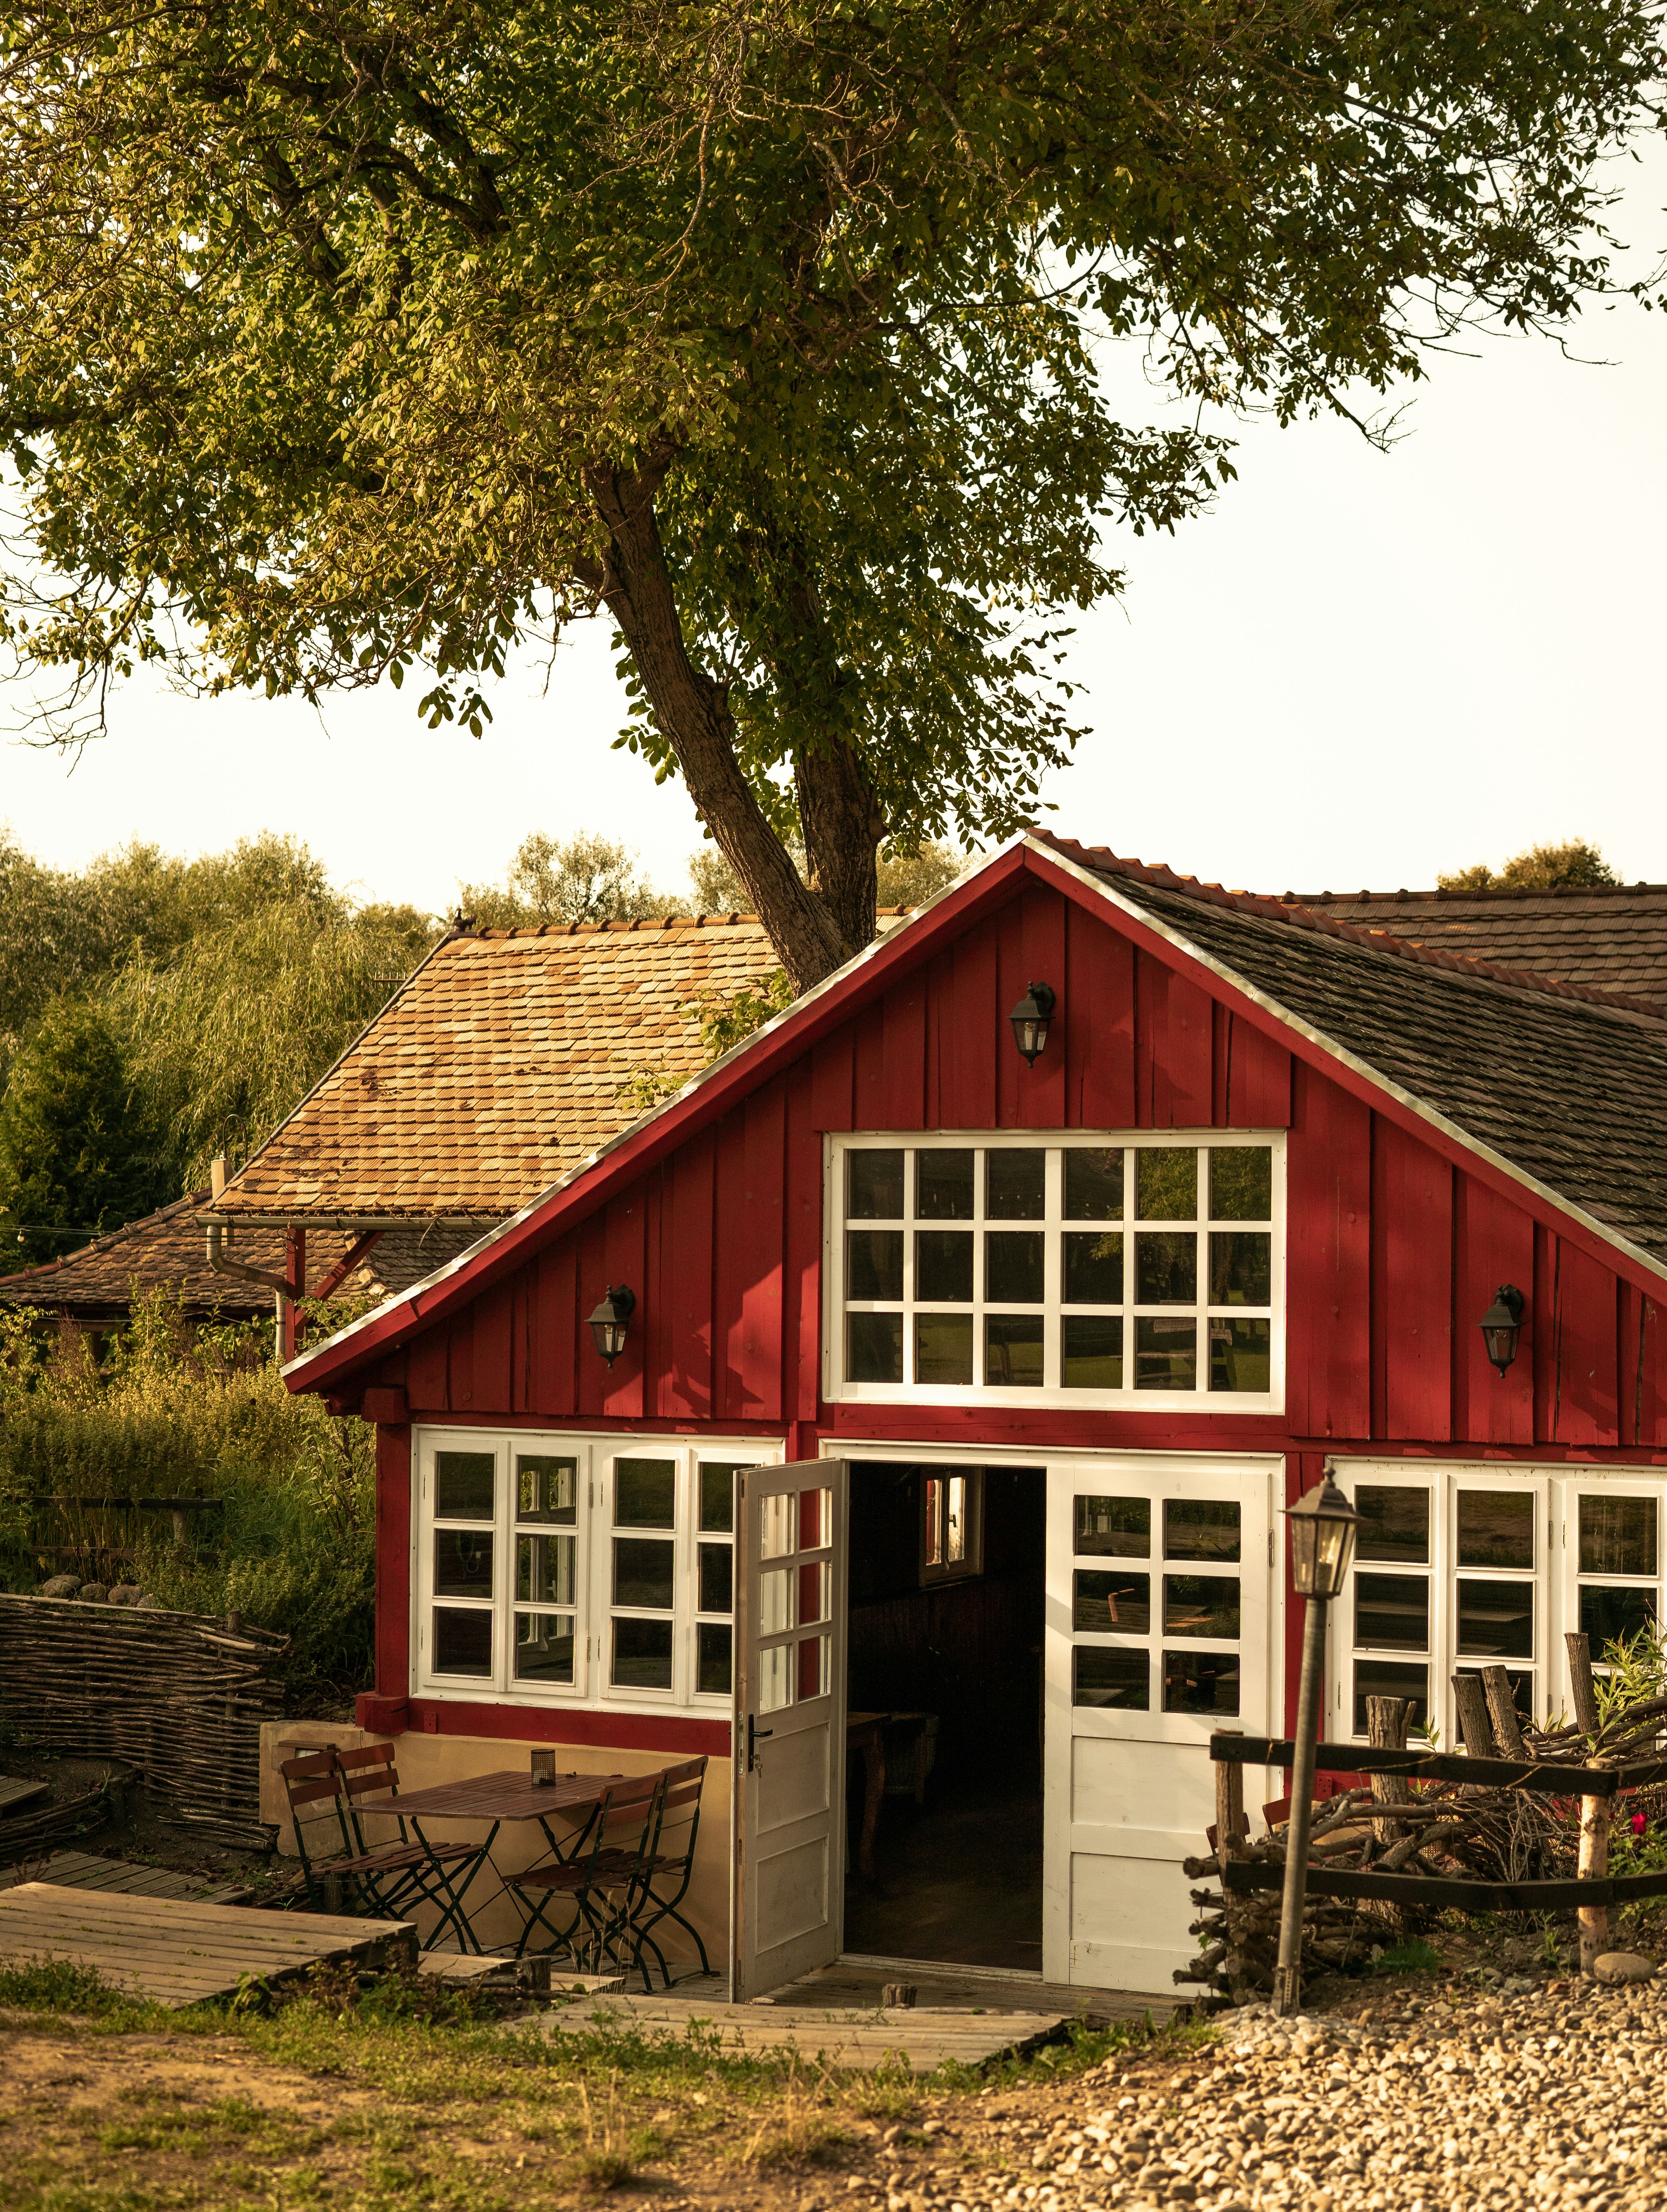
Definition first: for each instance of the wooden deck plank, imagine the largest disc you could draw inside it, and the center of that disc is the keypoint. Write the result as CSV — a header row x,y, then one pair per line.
x,y
177,1950
80,1870
862,2040
14,1793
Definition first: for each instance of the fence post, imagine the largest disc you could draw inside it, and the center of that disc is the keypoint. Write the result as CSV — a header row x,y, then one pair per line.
x,y
1474,1724
1386,1730
1502,1711
1231,1829
1594,1861
1582,1687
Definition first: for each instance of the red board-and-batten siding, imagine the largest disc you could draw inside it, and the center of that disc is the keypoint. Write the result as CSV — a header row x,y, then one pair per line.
x,y
1394,1251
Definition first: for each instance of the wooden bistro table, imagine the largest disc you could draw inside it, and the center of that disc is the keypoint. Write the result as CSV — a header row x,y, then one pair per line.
x,y
494,1799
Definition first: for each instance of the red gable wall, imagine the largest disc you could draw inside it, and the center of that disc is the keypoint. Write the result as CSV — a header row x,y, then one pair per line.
x,y
1394,1251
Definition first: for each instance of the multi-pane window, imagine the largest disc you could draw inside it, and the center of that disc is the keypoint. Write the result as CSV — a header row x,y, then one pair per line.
x,y
1461,1569
546,1567
593,1569
795,1598
1157,1603
1079,1269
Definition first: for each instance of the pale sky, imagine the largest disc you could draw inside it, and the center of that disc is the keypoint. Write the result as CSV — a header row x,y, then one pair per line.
x,y
1361,668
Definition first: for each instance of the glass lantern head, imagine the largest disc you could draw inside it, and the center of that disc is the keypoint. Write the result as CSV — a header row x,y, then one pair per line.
x,y
1501,1325
1030,1019
610,1320
1324,1527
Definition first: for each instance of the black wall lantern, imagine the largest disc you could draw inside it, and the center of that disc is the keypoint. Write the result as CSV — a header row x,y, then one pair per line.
x,y
610,1320
1030,1019
1501,1325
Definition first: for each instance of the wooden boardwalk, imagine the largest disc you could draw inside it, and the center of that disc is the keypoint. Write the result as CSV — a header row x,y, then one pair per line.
x,y
78,1870
178,1953
862,2039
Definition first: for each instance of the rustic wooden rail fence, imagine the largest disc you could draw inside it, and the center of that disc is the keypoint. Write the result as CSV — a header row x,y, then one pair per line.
x,y
1485,1833
177,1696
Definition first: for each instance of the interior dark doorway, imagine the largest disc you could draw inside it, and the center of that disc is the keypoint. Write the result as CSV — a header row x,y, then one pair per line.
x,y
946,1566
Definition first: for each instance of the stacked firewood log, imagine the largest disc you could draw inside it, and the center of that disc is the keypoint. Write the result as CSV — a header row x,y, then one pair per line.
x,y
1446,1829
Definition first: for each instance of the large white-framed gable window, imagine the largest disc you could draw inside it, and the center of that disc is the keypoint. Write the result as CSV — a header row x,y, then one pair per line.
x,y
1094,1268
589,1569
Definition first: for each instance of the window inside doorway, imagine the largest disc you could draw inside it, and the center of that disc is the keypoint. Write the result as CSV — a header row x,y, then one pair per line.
x,y
1088,1269
952,1524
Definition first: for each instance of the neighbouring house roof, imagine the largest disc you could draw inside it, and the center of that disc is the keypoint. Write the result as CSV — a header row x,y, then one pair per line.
x,y
1611,935
507,1057
1561,1086
1562,1081
165,1250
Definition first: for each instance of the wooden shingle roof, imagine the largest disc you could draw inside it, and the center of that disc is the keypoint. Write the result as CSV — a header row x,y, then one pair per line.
x,y
507,1057
1565,1083
1613,936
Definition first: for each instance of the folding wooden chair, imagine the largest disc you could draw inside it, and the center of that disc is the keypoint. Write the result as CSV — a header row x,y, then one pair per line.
x,y
605,1881
389,1880
673,1859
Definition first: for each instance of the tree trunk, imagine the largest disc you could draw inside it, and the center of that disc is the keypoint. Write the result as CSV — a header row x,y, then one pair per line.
x,y
634,585
843,826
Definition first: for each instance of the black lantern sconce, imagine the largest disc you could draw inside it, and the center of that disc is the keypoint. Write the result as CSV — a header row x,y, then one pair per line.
x,y
1501,1325
1030,1019
611,1319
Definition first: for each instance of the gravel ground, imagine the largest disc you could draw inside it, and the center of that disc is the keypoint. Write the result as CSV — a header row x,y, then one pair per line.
x,y
1538,2095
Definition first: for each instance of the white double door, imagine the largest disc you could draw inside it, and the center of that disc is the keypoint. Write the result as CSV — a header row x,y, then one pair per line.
x,y
1160,1622
1160,1625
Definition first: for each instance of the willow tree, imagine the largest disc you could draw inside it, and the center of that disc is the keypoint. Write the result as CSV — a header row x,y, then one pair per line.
x,y
348,338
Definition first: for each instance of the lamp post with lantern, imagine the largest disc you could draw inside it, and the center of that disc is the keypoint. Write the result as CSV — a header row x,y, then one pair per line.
x,y
1324,1526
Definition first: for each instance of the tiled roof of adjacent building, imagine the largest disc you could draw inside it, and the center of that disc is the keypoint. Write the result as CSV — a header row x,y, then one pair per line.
x,y
1565,1082
505,1058
165,1250
1613,936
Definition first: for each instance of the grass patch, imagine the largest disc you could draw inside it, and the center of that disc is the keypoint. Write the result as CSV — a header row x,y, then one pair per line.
x,y
380,2097
60,1985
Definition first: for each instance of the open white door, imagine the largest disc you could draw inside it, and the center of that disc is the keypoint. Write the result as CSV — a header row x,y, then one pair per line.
x,y
1160,1618
788,1884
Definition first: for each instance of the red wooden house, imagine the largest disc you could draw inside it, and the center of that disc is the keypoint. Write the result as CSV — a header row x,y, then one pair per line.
x,y
968,1388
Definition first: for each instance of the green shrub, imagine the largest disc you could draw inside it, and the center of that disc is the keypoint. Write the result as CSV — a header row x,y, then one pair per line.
x,y
182,1410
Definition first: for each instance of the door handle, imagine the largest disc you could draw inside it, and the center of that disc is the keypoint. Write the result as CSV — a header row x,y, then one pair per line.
x,y
754,1735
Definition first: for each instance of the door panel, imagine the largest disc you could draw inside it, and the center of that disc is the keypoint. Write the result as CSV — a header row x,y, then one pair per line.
x,y
1160,1624
788,1885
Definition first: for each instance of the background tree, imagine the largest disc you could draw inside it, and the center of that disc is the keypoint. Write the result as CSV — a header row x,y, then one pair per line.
x,y
1540,868
586,878
225,985
77,1152
343,341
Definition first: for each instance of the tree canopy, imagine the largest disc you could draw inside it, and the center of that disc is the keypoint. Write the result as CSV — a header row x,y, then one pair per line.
x,y
75,1158
1540,868
351,338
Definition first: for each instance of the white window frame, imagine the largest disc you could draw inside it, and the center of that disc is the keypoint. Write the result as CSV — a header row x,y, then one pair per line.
x,y
1557,1488
594,1610
836,1389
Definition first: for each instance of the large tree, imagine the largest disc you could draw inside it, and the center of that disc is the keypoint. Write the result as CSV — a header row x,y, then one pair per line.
x,y
344,336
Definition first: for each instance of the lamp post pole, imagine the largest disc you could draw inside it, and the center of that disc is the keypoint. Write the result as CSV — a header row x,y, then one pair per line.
x,y
1323,1526
1287,1975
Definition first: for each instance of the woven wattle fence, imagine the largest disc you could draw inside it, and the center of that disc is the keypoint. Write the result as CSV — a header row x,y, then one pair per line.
x,y
177,1696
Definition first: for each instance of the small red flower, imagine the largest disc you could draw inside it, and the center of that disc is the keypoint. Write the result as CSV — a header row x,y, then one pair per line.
x,y
1640,1824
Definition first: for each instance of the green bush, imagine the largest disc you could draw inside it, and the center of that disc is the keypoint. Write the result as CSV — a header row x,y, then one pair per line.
x,y
182,1410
